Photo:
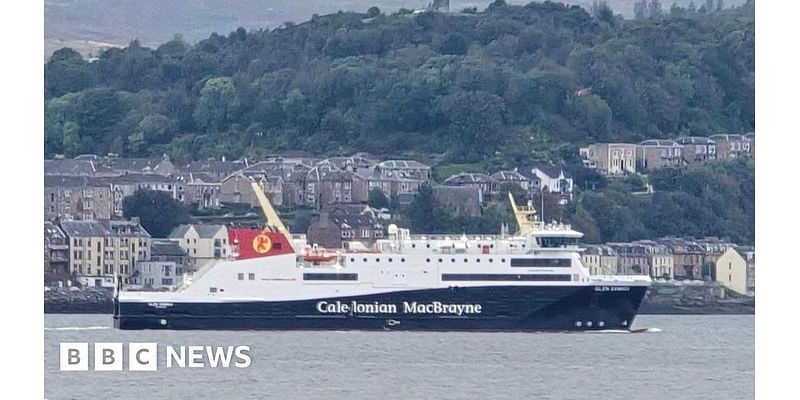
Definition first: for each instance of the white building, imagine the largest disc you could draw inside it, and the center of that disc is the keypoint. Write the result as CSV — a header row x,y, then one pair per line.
x,y
202,243
157,275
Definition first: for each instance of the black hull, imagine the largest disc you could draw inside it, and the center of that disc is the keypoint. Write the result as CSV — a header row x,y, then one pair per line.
x,y
502,308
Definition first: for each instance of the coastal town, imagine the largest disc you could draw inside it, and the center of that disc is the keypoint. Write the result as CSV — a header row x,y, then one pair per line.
x,y
88,241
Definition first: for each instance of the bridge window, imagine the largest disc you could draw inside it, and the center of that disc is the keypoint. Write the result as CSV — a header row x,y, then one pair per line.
x,y
541,262
557,241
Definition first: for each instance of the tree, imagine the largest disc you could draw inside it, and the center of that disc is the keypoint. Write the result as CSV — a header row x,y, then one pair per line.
x,y
157,211
377,199
422,213
216,106
655,9
640,10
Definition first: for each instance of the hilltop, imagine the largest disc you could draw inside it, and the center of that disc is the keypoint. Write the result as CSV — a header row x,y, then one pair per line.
x,y
509,83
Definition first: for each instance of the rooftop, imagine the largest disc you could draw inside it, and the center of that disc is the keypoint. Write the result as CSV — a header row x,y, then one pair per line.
x,y
71,181
85,229
694,140
205,231
403,164
166,248
659,142
467,178
509,176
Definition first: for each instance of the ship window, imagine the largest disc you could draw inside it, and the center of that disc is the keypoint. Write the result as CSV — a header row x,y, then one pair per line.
x,y
413,246
212,290
507,277
241,276
402,260
440,260
502,260
477,260
365,260
491,260
541,262
329,277
251,276
452,260
427,260
465,260
390,260
352,260
428,245
377,260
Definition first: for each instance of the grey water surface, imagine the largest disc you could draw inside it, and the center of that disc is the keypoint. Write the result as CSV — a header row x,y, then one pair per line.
x,y
679,357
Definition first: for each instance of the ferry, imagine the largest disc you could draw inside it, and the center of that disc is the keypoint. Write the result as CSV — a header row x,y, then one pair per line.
x,y
533,280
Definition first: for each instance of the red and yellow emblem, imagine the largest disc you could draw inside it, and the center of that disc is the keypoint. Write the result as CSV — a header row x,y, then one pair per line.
x,y
262,244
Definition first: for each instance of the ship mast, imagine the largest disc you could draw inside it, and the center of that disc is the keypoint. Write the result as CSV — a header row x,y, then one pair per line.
x,y
266,207
526,217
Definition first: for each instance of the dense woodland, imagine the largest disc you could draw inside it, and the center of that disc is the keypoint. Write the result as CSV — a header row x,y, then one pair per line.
x,y
507,86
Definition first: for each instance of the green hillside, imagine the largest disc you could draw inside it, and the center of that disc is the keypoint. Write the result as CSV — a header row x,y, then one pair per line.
x,y
505,87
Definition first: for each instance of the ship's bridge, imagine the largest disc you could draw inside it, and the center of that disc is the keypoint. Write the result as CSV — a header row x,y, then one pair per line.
x,y
544,237
554,235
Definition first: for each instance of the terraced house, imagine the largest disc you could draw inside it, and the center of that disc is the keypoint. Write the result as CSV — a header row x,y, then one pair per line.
x,y
100,249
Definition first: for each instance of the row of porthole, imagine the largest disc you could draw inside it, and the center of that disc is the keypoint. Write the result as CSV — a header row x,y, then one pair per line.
x,y
491,246
477,260
589,324
377,260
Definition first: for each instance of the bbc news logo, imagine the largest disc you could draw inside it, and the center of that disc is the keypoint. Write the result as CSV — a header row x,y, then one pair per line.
x,y
145,356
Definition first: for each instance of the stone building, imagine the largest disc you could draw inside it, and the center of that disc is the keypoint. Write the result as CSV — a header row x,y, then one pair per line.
x,y
610,158
126,185
203,191
487,185
76,197
513,177
100,249
734,146
351,222
697,149
657,153
166,267
458,200
407,168
600,260
56,254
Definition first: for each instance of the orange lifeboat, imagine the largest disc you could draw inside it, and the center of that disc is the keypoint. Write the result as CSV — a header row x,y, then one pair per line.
x,y
317,255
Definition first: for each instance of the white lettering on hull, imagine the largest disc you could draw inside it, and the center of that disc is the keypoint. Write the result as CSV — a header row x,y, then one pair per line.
x,y
413,307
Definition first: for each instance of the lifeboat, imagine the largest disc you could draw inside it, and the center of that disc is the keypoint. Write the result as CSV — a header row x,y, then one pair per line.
x,y
316,255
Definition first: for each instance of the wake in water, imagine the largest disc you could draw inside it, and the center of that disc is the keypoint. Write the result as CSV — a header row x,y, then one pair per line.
x,y
642,330
78,328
